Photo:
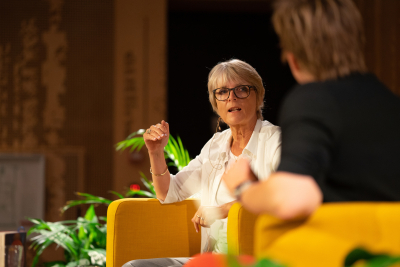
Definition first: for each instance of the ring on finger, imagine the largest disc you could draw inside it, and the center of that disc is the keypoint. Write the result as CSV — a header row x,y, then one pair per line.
x,y
148,131
202,218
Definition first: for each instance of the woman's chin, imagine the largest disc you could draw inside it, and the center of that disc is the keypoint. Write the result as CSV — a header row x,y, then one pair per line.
x,y
232,122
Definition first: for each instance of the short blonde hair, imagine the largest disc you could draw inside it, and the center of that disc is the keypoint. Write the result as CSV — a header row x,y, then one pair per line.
x,y
325,36
238,71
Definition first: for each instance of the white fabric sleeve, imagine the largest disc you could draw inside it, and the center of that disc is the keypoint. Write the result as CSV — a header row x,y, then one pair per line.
x,y
276,158
185,183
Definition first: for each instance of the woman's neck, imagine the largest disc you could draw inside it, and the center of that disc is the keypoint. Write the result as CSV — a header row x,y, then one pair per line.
x,y
241,135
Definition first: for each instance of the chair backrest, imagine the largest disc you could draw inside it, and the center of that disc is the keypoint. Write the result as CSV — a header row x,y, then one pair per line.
x,y
144,228
326,237
241,225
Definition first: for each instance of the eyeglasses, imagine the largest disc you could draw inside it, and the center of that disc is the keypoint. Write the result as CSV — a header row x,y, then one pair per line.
x,y
241,91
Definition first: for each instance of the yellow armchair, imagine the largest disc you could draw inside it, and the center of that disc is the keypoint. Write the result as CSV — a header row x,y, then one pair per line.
x,y
325,238
139,228
241,224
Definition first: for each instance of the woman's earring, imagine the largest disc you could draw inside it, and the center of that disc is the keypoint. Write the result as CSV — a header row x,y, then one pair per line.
x,y
218,127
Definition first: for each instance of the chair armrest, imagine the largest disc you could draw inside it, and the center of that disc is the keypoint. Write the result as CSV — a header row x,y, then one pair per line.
x,y
328,235
241,224
139,228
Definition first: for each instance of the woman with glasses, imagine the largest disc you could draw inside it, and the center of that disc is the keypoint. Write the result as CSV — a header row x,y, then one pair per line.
x,y
236,94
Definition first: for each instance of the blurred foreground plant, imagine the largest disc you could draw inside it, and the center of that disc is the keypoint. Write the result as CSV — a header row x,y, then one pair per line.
x,y
362,258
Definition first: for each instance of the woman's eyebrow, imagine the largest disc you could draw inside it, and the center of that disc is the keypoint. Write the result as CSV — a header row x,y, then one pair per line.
x,y
236,85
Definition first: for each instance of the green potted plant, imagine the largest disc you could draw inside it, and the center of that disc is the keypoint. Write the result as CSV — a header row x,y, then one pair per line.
x,y
83,240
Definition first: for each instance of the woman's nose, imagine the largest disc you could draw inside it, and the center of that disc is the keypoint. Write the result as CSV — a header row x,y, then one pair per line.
x,y
232,95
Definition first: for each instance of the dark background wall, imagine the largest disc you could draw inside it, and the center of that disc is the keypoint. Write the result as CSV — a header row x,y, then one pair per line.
x,y
197,41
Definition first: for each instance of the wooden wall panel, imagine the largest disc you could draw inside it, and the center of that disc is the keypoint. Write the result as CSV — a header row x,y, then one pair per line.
x,y
382,30
56,76
140,79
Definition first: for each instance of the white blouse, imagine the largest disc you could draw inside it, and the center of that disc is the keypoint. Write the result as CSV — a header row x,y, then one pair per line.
x,y
203,174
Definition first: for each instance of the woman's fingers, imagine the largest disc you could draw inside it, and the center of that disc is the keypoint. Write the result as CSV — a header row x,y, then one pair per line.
x,y
200,218
157,132
196,226
165,125
150,135
195,223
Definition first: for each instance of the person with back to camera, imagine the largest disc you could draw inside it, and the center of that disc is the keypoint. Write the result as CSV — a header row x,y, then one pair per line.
x,y
236,94
340,125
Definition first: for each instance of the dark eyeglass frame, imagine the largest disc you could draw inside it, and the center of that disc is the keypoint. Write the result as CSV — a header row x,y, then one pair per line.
x,y
234,91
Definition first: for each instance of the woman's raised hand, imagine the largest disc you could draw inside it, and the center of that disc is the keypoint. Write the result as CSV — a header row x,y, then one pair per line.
x,y
156,137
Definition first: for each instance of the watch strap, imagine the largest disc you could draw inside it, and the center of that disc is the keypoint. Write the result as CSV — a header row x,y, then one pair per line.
x,y
241,188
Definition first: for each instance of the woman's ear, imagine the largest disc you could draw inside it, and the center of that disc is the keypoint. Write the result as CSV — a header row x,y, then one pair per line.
x,y
299,73
293,63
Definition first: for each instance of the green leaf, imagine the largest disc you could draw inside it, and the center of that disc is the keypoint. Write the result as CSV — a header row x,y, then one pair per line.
x,y
174,149
55,264
135,143
117,194
75,238
357,254
100,239
47,238
188,159
39,252
147,183
73,264
90,214
140,193
38,225
382,261
82,233
140,146
138,132
372,260
89,200
267,263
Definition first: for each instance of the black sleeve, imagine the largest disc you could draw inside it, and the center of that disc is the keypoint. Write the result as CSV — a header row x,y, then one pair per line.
x,y
310,125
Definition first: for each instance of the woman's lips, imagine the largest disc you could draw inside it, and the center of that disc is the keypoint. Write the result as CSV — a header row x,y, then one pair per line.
x,y
234,109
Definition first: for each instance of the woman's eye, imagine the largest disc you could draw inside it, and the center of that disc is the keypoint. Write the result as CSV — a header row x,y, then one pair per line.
x,y
242,89
222,92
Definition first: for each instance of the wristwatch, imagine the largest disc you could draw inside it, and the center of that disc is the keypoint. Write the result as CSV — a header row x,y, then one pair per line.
x,y
241,188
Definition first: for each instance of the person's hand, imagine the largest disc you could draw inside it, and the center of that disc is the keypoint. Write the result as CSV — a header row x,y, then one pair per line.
x,y
206,215
238,173
156,137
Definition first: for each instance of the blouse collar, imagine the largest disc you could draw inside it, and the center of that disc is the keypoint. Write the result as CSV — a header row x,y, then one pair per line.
x,y
250,151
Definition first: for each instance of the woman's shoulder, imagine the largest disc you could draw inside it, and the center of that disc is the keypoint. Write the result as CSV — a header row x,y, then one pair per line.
x,y
269,129
223,134
217,140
